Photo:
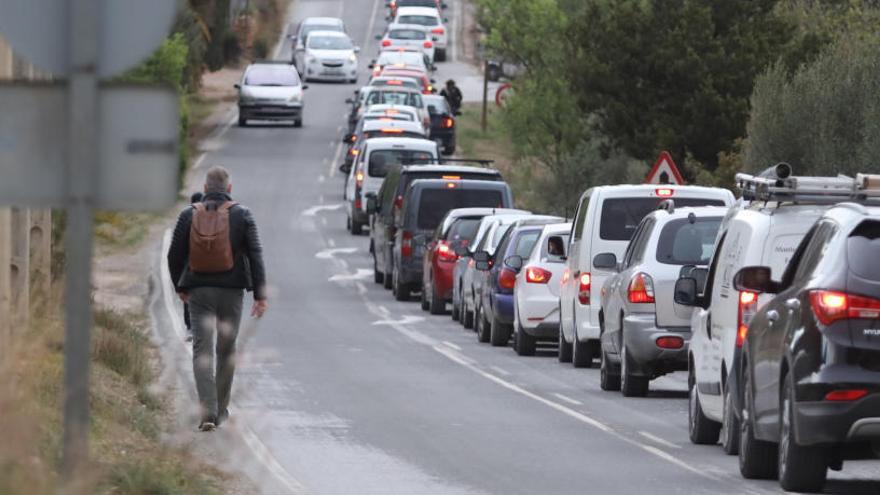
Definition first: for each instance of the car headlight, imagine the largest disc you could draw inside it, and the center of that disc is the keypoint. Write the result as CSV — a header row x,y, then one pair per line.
x,y
311,59
353,58
295,98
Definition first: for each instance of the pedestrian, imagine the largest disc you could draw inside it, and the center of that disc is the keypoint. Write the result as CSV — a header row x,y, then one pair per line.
x,y
215,255
195,198
453,96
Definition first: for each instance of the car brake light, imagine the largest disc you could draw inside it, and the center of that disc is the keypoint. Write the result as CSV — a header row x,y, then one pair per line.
x,y
452,177
392,131
438,30
507,278
398,202
846,395
747,305
354,152
386,42
359,179
406,244
585,282
428,44
445,252
664,192
537,275
830,306
357,203
641,289
448,123
395,82
670,342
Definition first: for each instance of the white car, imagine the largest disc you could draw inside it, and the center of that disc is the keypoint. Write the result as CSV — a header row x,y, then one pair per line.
x,y
376,156
765,232
402,58
431,19
391,95
270,91
400,82
536,292
605,221
310,24
412,36
329,56
393,112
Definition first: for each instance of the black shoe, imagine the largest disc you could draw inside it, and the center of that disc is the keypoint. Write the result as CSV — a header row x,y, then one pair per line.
x,y
208,424
223,417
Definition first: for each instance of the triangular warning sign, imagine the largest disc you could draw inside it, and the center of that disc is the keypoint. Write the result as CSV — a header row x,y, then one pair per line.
x,y
664,171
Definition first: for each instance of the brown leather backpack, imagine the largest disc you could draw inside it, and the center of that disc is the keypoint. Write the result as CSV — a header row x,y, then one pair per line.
x,y
210,248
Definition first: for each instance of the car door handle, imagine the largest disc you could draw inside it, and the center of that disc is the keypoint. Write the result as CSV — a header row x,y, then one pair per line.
x,y
772,316
793,304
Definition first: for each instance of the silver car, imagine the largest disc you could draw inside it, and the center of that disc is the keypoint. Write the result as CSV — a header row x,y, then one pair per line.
x,y
270,91
644,333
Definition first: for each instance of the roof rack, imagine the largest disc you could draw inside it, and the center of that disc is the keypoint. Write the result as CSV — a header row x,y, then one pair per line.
x,y
443,161
820,190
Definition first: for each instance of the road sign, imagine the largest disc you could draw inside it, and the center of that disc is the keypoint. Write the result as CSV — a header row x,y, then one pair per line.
x,y
664,171
129,30
137,168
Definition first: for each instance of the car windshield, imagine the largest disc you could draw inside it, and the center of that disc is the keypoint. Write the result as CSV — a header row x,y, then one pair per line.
x,y
407,34
422,20
683,242
383,160
329,43
621,216
438,106
436,203
319,27
267,75
402,58
405,83
864,244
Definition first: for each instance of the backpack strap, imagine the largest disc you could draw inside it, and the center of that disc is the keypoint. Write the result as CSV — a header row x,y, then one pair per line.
x,y
228,205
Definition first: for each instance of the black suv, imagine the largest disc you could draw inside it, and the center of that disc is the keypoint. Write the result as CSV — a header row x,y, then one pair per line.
x,y
810,370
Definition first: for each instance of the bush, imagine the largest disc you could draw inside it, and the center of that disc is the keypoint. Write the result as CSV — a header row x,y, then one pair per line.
x,y
231,48
261,48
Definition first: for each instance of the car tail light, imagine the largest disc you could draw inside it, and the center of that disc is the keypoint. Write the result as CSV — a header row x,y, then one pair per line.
x,y
355,152
398,202
406,245
641,289
846,395
830,306
428,44
451,185
448,123
357,203
386,42
392,131
664,192
670,342
748,305
438,30
394,82
445,252
507,279
359,179
537,275
585,280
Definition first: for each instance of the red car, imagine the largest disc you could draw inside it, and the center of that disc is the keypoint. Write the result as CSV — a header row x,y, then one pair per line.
x,y
426,82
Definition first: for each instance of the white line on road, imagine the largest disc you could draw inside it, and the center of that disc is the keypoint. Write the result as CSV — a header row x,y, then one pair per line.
x,y
500,371
659,440
317,209
331,242
407,320
360,274
327,254
568,399
336,156
450,344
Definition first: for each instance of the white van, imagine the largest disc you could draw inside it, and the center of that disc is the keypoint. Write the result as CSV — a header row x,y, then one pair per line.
x,y
376,157
765,232
605,220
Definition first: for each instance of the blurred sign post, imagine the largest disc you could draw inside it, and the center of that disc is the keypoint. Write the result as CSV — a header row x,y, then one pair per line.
x,y
82,146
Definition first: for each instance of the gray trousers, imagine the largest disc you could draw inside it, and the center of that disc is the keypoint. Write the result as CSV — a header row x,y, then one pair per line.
x,y
215,314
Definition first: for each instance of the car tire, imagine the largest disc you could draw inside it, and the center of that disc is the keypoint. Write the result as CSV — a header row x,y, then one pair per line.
x,y
436,305
701,430
609,375
449,150
378,277
423,300
242,122
630,385
523,343
400,291
582,352
481,326
387,281
564,355
440,55
357,228
467,317
729,426
499,333
298,123
801,468
456,310
757,458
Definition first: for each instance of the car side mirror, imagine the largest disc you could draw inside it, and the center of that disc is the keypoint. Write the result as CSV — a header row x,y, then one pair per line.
x,y
378,36
372,64
755,279
686,292
457,113
372,204
444,5
348,138
514,262
605,261
345,169
236,86
357,49
445,20
350,101
305,87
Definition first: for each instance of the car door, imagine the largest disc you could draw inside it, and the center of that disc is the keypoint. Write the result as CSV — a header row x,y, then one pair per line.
x,y
568,292
618,284
706,345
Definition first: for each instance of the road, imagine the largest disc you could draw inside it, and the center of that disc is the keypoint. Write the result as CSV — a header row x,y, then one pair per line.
x,y
348,391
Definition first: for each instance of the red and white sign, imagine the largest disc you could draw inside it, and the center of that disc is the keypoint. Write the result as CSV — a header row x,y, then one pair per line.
x,y
664,171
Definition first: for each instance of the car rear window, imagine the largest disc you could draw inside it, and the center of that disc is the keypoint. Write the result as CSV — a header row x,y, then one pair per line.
x,y
410,177
424,20
526,243
684,243
407,34
621,216
864,244
383,160
436,203
463,230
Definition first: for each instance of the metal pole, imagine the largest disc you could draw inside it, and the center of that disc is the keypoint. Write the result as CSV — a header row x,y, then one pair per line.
x,y
82,145
485,94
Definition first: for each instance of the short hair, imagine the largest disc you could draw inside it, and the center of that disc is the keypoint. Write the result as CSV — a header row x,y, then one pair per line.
x,y
216,180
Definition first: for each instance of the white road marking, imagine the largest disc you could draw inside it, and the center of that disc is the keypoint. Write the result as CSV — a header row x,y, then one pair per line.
x,y
334,164
659,440
407,320
360,274
331,242
568,399
331,253
369,35
331,143
319,208
321,179
500,371
450,344
324,221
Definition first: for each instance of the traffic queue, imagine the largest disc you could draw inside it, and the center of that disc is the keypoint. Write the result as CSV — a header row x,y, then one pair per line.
x,y
769,302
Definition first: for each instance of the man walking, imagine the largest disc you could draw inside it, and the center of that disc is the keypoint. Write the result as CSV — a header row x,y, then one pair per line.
x,y
215,255
453,96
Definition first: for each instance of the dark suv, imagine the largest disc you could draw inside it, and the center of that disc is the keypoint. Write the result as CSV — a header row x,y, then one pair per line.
x,y
810,369
425,204
385,207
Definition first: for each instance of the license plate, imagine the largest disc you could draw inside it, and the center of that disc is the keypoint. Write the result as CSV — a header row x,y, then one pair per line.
x,y
333,71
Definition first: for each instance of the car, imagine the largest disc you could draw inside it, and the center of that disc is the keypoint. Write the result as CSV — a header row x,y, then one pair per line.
x,y
644,334
368,129
442,123
764,230
384,207
387,95
496,274
430,18
425,203
308,25
408,36
536,289
810,372
605,220
393,5
270,91
400,58
329,56
393,112
465,287
427,84
406,82
377,156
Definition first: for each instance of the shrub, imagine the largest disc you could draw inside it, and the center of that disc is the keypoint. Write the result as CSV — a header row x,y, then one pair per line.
x,y
261,48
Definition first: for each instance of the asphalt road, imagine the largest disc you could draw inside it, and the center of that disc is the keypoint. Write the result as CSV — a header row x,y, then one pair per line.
x,y
351,392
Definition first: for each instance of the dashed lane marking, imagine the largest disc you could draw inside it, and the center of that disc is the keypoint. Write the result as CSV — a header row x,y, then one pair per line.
x,y
450,344
500,371
319,208
568,399
655,438
331,253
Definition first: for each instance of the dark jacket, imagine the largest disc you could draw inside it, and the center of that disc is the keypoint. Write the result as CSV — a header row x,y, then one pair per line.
x,y
248,272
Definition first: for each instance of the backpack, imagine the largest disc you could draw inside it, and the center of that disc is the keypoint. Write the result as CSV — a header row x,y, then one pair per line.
x,y
210,248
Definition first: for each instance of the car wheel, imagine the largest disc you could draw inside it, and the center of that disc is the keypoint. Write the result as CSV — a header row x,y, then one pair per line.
x,y
357,228
564,354
631,385
757,458
423,300
481,326
378,277
801,468
467,317
440,55
499,333
242,122
401,292
298,123
581,352
729,425
609,374
523,343
701,430
436,306
456,309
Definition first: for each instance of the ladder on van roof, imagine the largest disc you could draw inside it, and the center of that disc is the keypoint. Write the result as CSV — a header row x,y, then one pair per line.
x,y
864,188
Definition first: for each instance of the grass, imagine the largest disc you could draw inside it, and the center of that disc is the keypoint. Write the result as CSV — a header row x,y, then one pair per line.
x,y
123,230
